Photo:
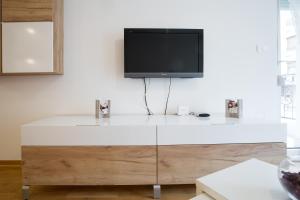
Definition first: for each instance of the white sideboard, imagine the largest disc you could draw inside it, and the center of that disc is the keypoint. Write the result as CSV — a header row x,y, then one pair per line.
x,y
141,149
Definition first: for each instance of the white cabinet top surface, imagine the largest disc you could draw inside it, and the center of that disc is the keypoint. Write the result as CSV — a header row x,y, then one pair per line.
x,y
149,130
135,120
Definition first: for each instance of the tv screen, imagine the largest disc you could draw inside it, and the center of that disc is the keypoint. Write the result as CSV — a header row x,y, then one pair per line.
x,y
163,53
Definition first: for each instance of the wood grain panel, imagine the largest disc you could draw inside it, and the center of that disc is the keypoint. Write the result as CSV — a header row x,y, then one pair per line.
x,y
31,74
182,164
117,165
58,43
27,10
10,162
10,189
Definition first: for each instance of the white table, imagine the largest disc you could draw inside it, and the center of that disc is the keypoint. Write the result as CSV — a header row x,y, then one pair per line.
x,y
249,180
202,196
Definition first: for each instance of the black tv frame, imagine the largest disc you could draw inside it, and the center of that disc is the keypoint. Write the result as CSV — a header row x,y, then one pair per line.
x,y
198,74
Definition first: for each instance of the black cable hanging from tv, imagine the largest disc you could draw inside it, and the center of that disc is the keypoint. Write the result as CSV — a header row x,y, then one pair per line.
x,y
145,98
167,101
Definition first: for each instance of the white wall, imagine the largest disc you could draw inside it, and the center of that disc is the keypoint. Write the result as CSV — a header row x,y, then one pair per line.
x,y
94,63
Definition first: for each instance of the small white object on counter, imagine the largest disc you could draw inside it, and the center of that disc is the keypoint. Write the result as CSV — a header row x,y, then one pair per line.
x,y
183,110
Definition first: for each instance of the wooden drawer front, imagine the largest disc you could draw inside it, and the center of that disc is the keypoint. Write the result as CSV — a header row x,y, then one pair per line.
x,y
182,164
27,10
115,165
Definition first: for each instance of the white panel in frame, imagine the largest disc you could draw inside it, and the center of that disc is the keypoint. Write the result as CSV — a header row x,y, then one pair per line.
x,y
27,47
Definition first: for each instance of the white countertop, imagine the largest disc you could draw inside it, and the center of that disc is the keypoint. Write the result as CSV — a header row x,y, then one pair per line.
x,y
149,130
154,120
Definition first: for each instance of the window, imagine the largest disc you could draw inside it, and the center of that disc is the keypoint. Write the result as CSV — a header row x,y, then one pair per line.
x,y
287,61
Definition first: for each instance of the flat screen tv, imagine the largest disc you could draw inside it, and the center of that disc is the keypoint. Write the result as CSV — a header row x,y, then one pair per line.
x,y
158,53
